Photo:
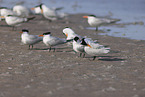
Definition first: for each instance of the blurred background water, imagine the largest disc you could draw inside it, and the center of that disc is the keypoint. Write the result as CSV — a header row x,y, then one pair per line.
x,y
129,11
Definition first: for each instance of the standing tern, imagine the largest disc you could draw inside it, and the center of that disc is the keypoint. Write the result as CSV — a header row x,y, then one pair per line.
x,y
13,21
94,51
4,11
28,39
21,11
78,47
93,44
48,13
37,9
96,22
50,40
70,34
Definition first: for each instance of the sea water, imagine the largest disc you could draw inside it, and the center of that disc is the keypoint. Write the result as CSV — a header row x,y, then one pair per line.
x,y
129,11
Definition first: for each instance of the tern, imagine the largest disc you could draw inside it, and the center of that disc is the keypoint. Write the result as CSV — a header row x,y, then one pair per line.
x,y
94,51
4,11
28,39
13,21
78,47
50,40
70,34
92,44
37,9
49,13
21,11
96,22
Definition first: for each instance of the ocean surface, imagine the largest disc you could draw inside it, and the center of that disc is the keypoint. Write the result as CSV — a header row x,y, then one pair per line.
x,y
131,13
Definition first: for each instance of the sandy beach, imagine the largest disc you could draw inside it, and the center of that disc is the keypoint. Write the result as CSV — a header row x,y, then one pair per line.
x,y
40,73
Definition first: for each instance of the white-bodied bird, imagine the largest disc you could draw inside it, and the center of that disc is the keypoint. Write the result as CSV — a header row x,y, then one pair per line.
x,y
37,9
96,22
4,11
13,21
50,40
70,34
94,51
49,13
21,11
28,39
78,47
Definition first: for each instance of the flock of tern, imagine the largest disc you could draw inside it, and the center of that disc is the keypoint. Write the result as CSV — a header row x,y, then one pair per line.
x,y
82,45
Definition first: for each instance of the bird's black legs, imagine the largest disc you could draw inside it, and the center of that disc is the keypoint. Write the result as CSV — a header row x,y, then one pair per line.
x,y
30,47
51,49
94,57
83,55
96,28
14,28
80,54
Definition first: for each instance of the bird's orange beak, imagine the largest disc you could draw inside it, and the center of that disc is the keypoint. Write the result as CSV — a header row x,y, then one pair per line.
x,y
42,11
89,45
66,35
21,32
85,16
41,35
2,16
32,8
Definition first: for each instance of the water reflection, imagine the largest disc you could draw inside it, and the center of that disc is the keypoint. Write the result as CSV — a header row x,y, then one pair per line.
x,y
129,31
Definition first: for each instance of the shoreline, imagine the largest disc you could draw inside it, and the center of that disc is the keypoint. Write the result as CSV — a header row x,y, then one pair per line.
x,y
62,73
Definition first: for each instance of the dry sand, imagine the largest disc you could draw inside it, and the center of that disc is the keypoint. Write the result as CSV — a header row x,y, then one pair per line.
x,y
39,73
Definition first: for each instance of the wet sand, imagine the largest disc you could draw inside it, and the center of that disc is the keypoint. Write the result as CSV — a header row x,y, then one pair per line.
x,y
39,73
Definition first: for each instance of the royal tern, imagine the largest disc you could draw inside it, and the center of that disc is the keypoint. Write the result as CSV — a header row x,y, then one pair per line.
x,y
12,20
21,11
50,40
78,47
4,11
70,34
37,9
94,51
92,43
96,22
28,39
49,13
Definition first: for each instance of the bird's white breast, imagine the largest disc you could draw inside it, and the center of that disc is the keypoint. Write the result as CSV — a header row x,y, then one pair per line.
x,y
78,47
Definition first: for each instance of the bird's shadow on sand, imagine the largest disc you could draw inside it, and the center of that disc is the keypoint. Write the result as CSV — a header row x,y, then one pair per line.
x,y
67,49
5,26
112,59
101,58
107,58
40,49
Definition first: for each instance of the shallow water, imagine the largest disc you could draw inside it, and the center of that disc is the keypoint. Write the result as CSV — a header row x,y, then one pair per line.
x,y
128,11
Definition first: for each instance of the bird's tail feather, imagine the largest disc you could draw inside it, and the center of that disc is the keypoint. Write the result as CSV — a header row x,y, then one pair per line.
x,y
59,8
31,18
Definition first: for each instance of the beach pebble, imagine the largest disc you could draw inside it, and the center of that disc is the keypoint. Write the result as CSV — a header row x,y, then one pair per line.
x,y
50,92
27,86
111,89
10,68
135,96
